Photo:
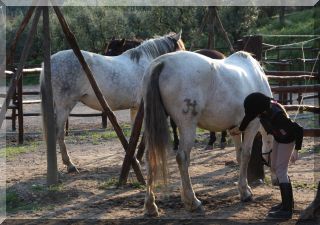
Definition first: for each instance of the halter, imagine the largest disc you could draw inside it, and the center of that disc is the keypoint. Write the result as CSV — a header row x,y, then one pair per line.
x,y
175,42
267,163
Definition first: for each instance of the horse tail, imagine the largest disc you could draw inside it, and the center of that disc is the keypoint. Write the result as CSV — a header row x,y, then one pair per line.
x,y
156,127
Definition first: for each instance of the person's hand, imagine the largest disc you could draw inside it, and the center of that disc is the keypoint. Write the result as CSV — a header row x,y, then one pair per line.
x,y
294,156
234,131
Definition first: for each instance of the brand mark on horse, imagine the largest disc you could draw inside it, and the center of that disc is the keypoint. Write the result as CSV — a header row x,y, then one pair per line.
x,y
190,105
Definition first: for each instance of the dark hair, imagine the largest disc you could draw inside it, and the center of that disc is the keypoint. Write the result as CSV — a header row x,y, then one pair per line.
x,y
256,103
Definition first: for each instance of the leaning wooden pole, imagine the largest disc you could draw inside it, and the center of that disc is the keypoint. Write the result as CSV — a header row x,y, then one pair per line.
x,y
22,27
219,24
52,168
17,75
73,43
135,134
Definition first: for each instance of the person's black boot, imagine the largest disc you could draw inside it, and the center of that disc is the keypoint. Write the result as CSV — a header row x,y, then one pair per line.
x,y
286,210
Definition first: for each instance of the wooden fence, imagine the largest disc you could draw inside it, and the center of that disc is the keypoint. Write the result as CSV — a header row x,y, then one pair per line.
x,y
288,82
16,105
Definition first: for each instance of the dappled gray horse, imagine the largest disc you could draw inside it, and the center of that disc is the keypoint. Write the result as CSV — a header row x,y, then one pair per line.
x,y
198,91
119,78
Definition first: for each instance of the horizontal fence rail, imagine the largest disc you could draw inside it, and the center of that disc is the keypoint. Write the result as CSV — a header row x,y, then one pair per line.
x,y
297,88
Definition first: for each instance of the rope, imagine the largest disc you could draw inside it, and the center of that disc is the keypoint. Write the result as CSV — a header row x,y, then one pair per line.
x,y
289,35
286,45
302,43
306,81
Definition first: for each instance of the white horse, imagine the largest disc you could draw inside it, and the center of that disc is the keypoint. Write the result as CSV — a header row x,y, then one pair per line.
x,y
198,91
119,78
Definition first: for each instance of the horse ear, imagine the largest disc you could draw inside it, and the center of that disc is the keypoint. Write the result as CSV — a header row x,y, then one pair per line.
x,y
113,38
177,36
123,40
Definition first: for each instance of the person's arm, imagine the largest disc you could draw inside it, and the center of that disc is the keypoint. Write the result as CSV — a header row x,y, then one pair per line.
x,y
293,127
298,132
245,122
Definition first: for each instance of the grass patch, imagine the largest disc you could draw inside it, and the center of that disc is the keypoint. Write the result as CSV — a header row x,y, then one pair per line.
x,y
316,149
12,151
97,137
110,183
113,182
137,185
302,185
15,203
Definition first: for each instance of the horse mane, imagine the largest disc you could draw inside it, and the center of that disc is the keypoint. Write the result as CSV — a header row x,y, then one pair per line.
x,y
152,48
244,54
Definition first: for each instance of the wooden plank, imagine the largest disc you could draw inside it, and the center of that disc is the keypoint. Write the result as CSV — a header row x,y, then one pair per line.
x,y
23,58
297,89
73,43
134,138
29,102
49,119
308,108
292,78
311,132
26,72
289,73
85,115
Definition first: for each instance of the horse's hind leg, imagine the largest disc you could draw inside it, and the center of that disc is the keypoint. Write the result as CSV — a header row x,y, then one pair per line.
x,y
249,135
187,136
62,113
175,135
212,139
150,207
223,141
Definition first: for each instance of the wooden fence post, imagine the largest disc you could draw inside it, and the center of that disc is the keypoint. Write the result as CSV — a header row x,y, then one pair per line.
x,y
135,133
16,76
20,109
52,169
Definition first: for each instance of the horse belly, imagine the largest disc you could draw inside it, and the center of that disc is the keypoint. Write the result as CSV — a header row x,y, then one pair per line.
x,y
219,122
115,104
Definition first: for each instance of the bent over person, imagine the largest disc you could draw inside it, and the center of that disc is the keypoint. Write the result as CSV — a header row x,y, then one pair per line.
x,y
288,136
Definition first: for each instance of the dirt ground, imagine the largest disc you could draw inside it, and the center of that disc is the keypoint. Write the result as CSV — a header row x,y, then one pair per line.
x,y
92,194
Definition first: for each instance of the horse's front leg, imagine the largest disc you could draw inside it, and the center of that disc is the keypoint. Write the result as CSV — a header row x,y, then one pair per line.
x,y
61,117
249,134
187,136
133,114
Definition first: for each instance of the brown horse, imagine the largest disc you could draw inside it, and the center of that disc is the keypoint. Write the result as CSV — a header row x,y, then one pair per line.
x,y
118,46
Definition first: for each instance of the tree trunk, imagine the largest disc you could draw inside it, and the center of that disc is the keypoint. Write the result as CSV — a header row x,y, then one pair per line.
x,y
281,15
312,212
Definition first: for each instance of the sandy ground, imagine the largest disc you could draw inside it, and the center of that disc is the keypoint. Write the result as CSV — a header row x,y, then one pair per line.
x,y
92,194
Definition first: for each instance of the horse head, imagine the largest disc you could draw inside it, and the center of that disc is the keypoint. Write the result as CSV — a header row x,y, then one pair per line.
x,y
115,47
176,38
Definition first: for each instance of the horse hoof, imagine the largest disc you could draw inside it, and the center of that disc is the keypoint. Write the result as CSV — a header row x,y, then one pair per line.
x,y
73,169
151,212
199,210
247,199
209,147
223,145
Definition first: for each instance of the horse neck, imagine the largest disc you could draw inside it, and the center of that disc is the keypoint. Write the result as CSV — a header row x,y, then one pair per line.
x,y
149,50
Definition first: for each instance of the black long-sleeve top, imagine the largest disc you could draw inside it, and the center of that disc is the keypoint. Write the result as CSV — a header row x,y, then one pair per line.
x,y
276,122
